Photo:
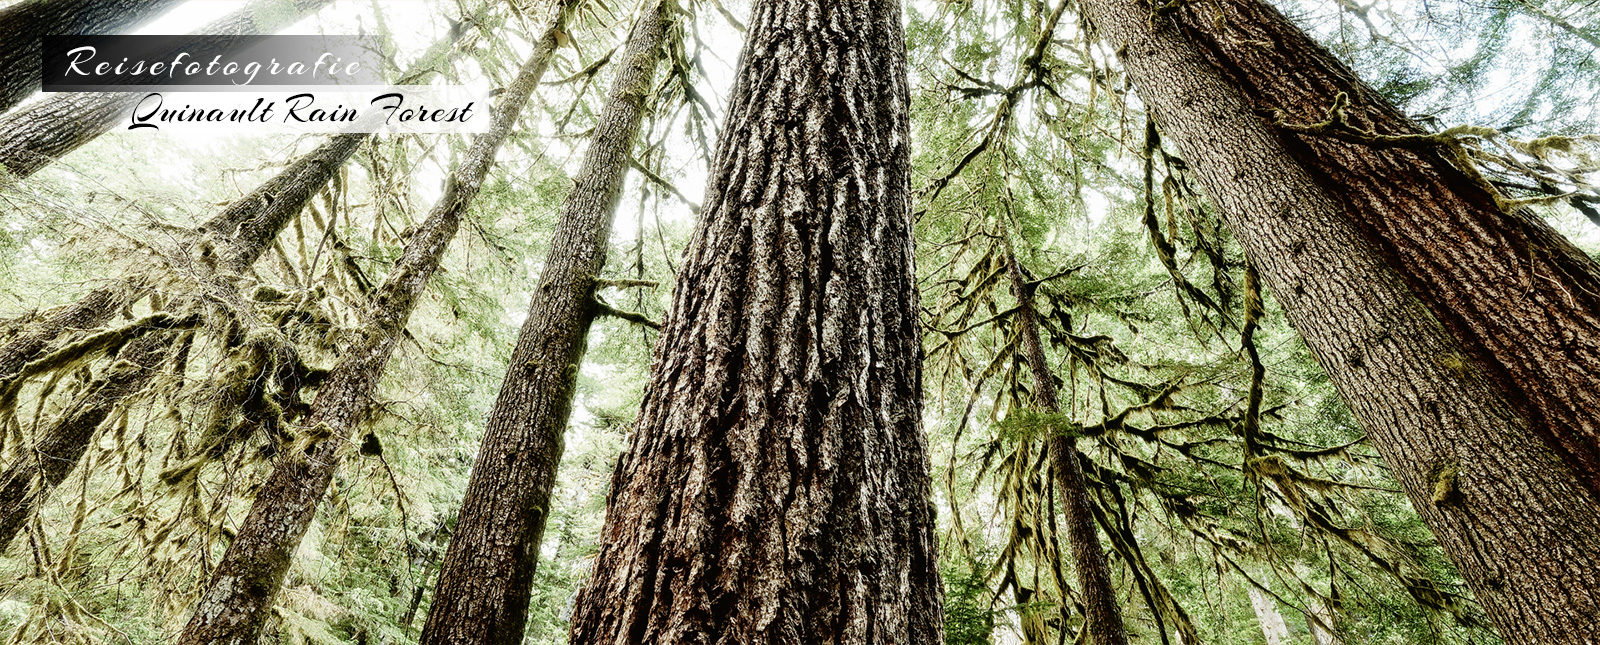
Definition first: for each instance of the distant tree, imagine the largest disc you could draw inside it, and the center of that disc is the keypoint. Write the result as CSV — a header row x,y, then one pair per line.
x,y
1103,615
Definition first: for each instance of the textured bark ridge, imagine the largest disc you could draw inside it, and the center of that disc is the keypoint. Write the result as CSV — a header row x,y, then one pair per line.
x,y
776,487
41,133
487,575
238,597
1520,525
1520,299
1089,560
23,26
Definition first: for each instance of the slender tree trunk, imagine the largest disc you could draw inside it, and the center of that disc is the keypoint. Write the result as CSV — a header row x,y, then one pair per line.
x,y
238,597
1521,525
1273,628
487,576
23,26
776,488
1094,574
1322,622
39,134
1522,302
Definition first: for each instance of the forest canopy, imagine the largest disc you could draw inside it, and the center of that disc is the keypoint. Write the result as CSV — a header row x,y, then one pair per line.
x,y
805,321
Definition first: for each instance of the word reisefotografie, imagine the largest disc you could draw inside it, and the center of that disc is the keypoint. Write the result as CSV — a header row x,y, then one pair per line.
x,y
207,63
81,63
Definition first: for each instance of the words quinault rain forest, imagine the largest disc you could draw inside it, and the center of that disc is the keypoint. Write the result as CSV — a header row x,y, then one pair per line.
x,y
792,322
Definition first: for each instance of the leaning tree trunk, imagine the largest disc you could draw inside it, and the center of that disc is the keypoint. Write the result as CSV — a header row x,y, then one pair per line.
x,y
1520,524
776,487
43,465
247,227
238,598
1104,617
1522,302
41,133
487,575
250,220
88,312
24,25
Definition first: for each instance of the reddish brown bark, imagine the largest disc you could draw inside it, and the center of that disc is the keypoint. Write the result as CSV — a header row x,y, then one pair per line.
x,y
1521,525
776,488
1520,299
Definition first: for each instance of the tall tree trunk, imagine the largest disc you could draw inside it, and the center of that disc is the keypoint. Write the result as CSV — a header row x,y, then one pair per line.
x,y
776,487
1520,524
1094,574
41,133
487,576
23,26
238,597
1522,302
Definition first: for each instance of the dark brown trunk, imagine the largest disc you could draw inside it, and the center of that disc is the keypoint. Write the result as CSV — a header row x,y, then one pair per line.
x,y
238,597
1089,560
253,221
1521,526
487,576
39,134
776,487
41,467
24,25
1520,299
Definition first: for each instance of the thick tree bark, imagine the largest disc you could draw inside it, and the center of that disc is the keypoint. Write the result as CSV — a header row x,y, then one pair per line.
x,y
1520,299
238,597
24,25
1521,525
39,134
487,576
1104,617
776,487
